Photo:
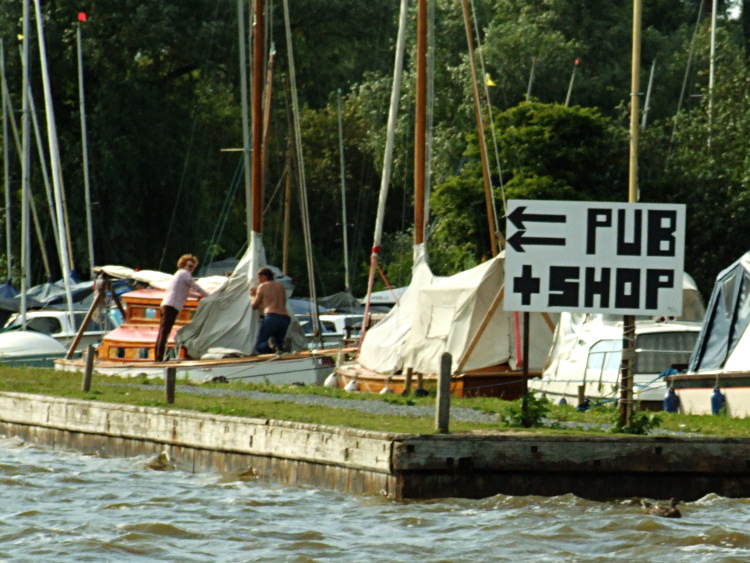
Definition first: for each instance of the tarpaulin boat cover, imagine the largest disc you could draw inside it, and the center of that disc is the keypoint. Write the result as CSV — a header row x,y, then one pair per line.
x,y
449,314
225,318
724,341
437,315
382,348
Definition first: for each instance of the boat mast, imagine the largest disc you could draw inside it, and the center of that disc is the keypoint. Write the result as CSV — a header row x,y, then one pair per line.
x,y
419,128
259,29
347,287
25,162
480,132
84,144
245,117
55,159
6,164
398,67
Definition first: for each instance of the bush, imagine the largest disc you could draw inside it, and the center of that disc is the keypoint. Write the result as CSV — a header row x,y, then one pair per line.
x,y
528,411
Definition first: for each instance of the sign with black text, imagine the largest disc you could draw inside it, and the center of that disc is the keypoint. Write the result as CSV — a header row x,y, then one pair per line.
x,y
594,257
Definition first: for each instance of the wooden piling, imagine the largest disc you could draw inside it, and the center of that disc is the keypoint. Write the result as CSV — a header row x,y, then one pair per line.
x,y
88,369
170,376
407,384
443,401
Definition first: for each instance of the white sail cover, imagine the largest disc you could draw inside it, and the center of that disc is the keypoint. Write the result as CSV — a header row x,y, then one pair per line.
x,y
449,314
224,322
382,348
225,319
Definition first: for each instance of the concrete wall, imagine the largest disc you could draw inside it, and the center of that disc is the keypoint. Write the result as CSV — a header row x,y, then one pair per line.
x,y
395,465
346,459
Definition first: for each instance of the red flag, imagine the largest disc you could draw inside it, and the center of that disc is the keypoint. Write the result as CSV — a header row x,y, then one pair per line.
x,y
81,16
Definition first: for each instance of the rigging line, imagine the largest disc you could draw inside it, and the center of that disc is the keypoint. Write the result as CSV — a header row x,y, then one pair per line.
x,y
191,140
301,169
8,106
492,120
272,197
223,215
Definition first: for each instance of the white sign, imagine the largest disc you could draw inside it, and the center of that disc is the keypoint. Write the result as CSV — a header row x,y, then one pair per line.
x,y
594,257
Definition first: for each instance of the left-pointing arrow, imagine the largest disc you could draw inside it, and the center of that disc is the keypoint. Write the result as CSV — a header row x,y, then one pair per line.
x,y
517,240
517,217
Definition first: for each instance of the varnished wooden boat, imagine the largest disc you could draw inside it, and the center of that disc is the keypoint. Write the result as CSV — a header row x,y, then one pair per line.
x,y
501,381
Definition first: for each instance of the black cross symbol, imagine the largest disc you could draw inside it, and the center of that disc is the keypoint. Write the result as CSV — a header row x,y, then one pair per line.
x,y
526,285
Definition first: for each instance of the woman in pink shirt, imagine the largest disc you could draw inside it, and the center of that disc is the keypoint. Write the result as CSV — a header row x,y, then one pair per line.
x,y
177,293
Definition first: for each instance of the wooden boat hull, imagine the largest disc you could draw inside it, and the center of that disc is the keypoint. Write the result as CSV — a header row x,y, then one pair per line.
x,y
303,368
501,381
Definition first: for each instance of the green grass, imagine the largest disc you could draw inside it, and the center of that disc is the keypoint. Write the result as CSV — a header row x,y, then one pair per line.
x,y
129,391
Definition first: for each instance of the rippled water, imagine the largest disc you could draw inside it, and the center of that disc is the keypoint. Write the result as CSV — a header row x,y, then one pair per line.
x,y
64,506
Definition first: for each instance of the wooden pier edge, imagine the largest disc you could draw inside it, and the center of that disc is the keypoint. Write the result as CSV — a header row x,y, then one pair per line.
x,y
399,466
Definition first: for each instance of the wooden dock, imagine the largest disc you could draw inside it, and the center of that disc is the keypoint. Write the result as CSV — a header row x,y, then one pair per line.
x,y
399,466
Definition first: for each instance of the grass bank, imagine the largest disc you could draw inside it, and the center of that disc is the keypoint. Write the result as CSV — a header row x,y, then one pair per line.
x,y
130,391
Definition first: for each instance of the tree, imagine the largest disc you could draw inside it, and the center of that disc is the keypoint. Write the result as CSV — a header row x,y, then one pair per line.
x,y
547,151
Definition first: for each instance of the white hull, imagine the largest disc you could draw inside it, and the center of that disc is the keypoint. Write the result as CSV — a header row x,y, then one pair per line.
x,y
646,389
695,391
277,370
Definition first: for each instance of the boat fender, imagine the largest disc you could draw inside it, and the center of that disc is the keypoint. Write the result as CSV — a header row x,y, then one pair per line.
x,y
718,401
671,401
584,406
351,386
562,402
331,381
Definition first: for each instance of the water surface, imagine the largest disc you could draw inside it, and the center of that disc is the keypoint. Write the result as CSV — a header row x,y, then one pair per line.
x,y
66,506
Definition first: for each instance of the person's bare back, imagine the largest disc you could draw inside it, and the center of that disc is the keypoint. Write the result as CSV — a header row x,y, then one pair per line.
x,y
270,297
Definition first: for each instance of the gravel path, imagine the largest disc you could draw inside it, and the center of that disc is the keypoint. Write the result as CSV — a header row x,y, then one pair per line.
x,y
374,407
383,408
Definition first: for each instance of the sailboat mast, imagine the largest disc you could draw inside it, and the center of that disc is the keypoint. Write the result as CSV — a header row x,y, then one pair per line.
x,y
259,30
245,117
343,195
480,132
6,164
419,130
25,163
84,144
385,179
65,258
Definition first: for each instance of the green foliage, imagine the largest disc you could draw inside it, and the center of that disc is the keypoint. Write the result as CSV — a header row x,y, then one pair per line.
x,y
547,151
641,423
528,411
162,100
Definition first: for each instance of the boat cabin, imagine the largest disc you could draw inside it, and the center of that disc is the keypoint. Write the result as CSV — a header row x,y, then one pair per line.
x,y
134,340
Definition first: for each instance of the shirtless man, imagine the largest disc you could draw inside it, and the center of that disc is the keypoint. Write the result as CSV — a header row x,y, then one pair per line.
x,y
270,299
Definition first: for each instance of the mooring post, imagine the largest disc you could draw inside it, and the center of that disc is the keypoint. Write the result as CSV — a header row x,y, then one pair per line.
x,y
443,401
407,383
169,383
86,386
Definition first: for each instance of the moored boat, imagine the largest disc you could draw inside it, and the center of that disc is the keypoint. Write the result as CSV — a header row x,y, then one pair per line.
x,y
28,348
717,379
586,355
128,351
